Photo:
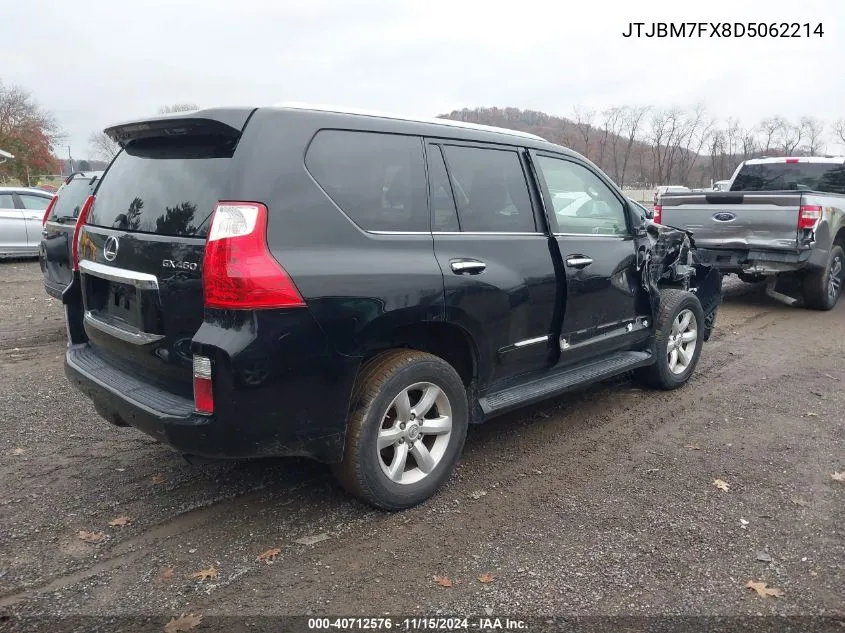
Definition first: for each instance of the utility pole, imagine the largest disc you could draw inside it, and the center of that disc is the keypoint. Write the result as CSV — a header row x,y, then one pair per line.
x,y
70,158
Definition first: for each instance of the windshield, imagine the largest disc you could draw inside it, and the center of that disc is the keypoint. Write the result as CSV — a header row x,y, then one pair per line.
x,y
829,177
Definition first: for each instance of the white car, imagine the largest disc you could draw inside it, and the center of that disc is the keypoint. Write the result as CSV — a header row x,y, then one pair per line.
x,y
21,212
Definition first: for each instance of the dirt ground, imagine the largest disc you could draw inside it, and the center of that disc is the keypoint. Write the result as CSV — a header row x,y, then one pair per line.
x,y
601,502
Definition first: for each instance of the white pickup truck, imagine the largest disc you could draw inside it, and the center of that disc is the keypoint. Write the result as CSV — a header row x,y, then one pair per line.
x,y
782,219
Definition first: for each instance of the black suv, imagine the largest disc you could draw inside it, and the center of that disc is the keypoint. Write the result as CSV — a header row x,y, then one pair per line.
x,y
57,228
358,288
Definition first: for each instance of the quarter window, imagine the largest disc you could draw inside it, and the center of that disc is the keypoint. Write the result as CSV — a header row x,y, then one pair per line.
x,y
378,180
490,190
582,203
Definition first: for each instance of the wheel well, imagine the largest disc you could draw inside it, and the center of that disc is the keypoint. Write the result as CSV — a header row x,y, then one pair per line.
x,y
445,340
840,237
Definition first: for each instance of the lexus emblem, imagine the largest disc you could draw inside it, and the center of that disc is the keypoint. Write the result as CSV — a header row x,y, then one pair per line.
x,y
724,216
110,248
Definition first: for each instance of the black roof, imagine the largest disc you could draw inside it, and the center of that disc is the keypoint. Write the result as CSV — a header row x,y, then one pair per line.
x,y
233,120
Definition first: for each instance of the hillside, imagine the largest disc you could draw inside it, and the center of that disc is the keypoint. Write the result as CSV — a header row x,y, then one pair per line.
x,y
621,143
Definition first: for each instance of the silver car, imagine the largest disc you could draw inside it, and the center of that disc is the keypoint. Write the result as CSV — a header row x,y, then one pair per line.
x,y
21,212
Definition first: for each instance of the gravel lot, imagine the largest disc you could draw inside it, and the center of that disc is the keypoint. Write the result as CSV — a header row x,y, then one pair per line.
x,y
601,502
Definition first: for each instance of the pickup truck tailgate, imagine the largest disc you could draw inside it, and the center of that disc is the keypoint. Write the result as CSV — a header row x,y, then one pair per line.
x,y
736,220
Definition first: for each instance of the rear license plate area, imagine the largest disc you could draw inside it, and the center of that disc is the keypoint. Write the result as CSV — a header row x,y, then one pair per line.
x,y
117,303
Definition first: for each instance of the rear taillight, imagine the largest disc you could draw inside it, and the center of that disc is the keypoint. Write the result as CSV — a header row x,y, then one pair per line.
x,y
83,217
808,216
239,273
203,392
658,213
49,210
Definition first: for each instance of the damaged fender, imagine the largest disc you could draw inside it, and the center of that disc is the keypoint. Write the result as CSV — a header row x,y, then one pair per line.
x,y
668,258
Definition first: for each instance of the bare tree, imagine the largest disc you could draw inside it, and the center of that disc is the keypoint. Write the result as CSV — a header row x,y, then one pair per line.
x,y
771,130
814,135
631,120
790,138
749,142
717,148
695,131
609,139
583,128
102,146
839,129
665,129
178,107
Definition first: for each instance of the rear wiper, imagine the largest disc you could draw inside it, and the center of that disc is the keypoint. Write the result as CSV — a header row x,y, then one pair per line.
x,y
63,218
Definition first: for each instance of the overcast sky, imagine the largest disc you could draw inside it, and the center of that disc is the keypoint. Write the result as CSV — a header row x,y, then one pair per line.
x,y
94,62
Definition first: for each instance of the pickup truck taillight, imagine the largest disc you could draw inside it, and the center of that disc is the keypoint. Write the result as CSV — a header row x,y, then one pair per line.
x,y
658,213
808,216
238,272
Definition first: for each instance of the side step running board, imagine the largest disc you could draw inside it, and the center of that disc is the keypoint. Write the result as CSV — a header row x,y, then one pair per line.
x,y
563,380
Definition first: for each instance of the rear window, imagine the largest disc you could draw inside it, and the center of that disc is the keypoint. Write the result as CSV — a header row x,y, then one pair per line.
x,y
829,177
71,197
378,180
164,186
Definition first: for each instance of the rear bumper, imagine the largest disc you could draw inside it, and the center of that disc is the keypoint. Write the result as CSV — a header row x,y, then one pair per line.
x,y
766,262
305,417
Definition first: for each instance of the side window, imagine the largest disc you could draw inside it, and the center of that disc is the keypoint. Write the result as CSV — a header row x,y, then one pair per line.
x,y
36,203
582,203
490,190
378,180
444,216
6,201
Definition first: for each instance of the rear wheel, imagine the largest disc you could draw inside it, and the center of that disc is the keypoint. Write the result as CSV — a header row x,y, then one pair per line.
x,y
821,288
679,336
406,430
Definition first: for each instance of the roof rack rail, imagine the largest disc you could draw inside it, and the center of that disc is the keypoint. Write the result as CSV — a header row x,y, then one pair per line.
x,y
295,105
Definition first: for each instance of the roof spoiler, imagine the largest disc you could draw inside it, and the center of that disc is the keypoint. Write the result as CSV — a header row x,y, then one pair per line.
x,y
228,122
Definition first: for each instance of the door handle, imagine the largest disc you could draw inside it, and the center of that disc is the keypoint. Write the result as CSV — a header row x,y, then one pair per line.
x,y
468,266
578,261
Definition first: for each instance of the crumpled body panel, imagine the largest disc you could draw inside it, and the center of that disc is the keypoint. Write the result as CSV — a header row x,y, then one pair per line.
x,y
671,261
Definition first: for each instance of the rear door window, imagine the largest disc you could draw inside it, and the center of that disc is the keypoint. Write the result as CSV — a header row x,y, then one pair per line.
x,y
378,180
490,190
164,186
34,203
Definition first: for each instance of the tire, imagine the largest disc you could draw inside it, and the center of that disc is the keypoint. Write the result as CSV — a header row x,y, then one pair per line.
x,y
821,288
377,410
663,374
750,278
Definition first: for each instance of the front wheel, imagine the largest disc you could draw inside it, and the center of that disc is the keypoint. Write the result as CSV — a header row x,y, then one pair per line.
x,y
407,427
678,339
821,288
